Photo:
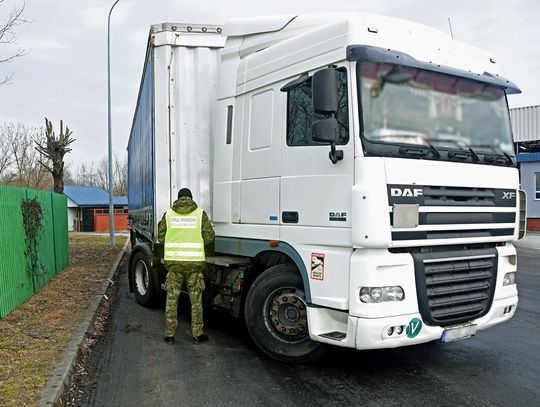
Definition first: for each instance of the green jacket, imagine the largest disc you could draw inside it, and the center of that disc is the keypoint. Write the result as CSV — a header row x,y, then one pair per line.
x,y
186,205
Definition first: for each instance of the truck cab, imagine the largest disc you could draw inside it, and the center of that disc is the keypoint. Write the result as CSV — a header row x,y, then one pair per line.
x,y
361,177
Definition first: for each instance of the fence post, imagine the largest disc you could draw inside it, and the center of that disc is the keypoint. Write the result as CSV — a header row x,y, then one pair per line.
x,y
53,233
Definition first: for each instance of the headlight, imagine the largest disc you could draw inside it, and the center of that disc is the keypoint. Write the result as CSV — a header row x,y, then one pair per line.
x,y
509,278
381,294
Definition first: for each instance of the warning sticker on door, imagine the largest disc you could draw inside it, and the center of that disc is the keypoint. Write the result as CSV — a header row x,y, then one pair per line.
x,y
317,266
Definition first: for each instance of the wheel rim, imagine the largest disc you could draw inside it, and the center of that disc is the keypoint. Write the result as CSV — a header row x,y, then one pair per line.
x,y
142,277
285,314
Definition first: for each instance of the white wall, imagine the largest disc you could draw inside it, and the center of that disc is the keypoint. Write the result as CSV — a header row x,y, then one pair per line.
x,y
72,214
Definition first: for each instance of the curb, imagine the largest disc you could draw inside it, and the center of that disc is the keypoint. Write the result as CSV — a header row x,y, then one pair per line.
x,y
59,380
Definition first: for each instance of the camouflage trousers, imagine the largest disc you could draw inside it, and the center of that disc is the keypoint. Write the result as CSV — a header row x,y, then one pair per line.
x,y
195,286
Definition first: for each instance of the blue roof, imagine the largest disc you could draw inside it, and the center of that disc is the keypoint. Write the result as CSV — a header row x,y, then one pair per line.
x,y
92,196
523,157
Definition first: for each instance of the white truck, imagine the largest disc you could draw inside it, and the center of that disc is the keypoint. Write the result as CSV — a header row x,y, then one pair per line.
x,y
359,171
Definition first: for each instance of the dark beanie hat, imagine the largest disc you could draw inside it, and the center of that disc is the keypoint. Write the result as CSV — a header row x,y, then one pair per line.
x,y
185,192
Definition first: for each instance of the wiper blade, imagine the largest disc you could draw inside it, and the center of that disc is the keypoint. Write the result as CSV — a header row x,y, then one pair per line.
x,y
473,154
420,151
434,151
508,158
497,153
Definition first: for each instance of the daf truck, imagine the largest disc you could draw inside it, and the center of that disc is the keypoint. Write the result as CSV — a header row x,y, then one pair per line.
x,y
359,171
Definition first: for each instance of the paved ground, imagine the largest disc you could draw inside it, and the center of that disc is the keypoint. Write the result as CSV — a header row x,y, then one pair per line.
x,y
133,366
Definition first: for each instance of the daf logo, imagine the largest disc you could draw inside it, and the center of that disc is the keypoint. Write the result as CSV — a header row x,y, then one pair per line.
x,y
406,192
338,216
508,195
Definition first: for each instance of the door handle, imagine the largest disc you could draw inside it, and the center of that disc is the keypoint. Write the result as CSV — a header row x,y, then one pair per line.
x,y
289,217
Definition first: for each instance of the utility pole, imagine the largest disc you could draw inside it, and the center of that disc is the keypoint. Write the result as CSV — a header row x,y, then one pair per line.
x,y
111,205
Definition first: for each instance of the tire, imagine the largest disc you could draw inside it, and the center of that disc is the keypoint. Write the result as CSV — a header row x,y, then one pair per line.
x,y
145,280
276,316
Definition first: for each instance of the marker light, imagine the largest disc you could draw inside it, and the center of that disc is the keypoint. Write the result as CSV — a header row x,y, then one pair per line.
x,y
381,294
509,278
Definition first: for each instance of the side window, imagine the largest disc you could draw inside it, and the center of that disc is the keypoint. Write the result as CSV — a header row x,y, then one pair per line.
x,y
300,113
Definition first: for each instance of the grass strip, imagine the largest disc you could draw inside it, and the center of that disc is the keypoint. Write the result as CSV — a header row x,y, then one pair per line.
x,y
34,336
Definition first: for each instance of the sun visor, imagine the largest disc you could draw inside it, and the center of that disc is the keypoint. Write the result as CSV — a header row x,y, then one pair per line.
x,y
381,55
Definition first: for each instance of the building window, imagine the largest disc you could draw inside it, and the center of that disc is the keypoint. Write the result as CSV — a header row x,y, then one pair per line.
x,y
300,113
537,185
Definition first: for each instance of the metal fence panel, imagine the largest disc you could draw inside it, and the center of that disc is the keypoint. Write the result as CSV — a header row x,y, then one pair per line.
x,y
60,223
46,268
16,283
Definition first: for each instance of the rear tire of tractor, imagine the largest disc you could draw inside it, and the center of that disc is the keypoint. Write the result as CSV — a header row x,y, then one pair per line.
x,y
276,316
145,280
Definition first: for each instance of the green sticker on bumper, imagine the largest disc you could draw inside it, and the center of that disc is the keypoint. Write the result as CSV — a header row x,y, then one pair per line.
x,y
414,328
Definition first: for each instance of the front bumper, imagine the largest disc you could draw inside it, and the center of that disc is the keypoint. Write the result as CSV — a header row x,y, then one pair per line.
x,y
371,333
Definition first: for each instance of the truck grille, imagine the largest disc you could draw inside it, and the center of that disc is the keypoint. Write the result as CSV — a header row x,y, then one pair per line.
x,y
455,286
454,212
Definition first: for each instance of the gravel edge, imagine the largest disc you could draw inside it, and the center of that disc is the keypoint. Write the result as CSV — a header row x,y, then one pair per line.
x,y
59,380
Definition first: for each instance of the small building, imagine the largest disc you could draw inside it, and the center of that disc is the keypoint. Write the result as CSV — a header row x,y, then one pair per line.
x,y
526,131
88,209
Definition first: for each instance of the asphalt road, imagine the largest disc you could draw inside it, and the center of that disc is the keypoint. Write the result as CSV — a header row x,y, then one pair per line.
x,y
131,364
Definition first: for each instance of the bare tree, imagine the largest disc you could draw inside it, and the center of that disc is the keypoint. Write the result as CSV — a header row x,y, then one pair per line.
x,y
53,149
25,168
98,175
69,178
102,174
86,175
7,36
120,182
6,158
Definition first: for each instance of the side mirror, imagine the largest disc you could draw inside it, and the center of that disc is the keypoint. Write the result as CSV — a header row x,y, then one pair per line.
x,y
325,91
326,131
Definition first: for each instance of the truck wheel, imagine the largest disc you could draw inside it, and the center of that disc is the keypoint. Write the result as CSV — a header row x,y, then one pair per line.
x,y
144,280
276,316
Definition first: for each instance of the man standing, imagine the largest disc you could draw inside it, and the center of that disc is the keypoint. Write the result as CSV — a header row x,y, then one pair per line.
x,y
185,229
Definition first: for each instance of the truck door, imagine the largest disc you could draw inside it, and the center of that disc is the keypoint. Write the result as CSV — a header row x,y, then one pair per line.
x,y
261,158
314,192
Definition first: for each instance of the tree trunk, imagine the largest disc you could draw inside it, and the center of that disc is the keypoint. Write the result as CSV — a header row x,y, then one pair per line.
x,y
58,185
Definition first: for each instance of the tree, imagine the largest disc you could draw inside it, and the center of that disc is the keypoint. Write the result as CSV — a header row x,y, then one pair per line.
x,y
53,149
120,183
86,175
22,167
92,175
7,36
6,158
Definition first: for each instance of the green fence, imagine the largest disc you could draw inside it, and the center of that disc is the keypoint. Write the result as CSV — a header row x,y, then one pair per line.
x,y
17,281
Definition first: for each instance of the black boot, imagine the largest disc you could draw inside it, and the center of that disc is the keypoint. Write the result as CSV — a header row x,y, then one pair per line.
x,y
169,339
200,338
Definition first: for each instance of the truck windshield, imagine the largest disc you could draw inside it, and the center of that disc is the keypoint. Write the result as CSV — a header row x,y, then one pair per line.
x,y
437,116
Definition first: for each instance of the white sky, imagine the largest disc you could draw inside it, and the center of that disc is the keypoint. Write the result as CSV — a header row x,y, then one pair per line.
x,y
65,77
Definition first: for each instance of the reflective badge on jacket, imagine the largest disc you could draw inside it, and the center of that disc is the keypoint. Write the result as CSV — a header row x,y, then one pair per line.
x,y
183,222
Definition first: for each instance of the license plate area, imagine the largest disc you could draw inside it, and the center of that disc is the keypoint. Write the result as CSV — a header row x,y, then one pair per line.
x,y
456,333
